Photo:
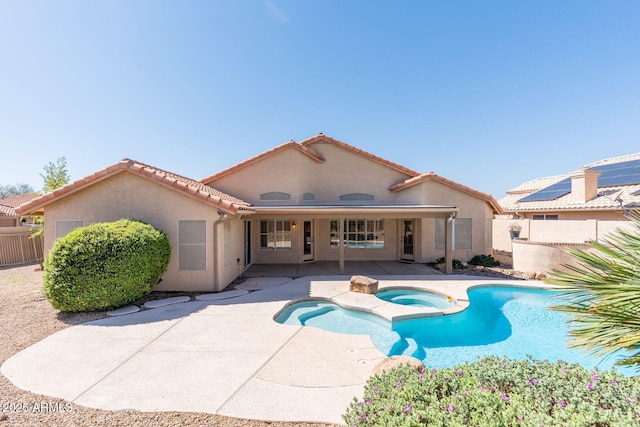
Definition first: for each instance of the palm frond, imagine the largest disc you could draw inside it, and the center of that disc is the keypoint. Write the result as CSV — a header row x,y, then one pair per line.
x,y
601,293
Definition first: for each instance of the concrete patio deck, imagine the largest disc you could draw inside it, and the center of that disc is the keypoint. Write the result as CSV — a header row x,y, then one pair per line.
x,y
225,356
331,268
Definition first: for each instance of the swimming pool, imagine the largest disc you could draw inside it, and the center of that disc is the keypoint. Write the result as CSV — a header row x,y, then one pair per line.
x,y
504,321
406,296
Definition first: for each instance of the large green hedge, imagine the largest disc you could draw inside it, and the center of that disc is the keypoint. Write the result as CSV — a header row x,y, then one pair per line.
x,y
105,265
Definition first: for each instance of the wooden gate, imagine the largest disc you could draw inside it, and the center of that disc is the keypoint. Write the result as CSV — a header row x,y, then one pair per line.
x,y
18,247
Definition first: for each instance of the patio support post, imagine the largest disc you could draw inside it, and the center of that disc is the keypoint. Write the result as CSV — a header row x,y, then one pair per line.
x,y
341,244
448,244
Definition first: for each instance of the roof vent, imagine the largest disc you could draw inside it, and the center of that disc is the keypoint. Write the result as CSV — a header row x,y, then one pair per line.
x,y
584,185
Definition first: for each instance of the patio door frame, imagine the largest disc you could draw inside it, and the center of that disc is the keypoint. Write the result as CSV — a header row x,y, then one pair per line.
x,y
408,243
247,243
307,240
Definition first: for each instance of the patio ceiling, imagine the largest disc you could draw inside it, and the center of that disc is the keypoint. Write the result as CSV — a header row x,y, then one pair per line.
x,y
380,211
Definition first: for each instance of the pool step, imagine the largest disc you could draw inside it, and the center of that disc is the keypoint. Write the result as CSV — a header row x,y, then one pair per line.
x,y
387,310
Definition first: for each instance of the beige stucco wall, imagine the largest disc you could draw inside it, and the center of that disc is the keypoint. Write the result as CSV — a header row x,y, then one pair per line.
x,y
539,248
345,172
7,221
603,215
541,258
553,231
127,195
481,214
229,264
291,171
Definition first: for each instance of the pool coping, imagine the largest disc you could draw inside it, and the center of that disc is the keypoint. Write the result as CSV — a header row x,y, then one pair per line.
x,y
338,293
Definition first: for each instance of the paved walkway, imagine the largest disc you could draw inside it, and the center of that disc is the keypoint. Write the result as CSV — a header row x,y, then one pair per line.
x,y
224,356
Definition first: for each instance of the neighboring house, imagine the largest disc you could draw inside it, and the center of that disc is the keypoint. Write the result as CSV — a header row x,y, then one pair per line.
x,y
317,200
8,215
571,209
16,243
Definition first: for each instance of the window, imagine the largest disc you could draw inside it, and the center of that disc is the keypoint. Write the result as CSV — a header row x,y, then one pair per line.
x,y
275,234
359,233
192,245
357,196
462,233
275,195
65,227
545,217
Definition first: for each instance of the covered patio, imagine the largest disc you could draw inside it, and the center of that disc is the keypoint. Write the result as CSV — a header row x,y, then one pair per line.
x,y
326,233
324,268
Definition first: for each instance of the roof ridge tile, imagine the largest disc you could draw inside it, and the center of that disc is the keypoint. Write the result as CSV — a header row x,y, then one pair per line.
x,y
461,187
289,144
160,176
377,159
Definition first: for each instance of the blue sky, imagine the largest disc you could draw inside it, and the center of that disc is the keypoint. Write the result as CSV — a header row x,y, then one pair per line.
x,y
487,93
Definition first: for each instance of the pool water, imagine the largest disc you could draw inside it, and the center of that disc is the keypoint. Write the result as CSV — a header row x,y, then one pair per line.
x,y
500,321
416,298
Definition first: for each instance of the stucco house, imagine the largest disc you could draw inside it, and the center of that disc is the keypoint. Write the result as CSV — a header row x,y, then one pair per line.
x,y
317,200
17,245
8,215
569,209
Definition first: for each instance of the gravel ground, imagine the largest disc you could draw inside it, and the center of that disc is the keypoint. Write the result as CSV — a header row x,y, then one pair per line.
x,y
26,317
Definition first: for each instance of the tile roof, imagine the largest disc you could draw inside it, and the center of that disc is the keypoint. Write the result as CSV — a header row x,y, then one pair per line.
x,y
8,205
305,148
286,146
608,198
435,177
170,180
327,139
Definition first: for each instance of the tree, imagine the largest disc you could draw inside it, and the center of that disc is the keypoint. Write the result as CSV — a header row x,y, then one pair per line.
x,y
6,191
602,295
15,190
24,188
55,175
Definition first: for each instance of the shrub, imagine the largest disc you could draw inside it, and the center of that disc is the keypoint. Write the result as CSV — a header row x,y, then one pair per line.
x,y
484,260
456,263
602,295
498,392
105,265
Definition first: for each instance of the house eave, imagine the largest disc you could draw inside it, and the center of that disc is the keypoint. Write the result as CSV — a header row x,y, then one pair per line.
x,y
333,211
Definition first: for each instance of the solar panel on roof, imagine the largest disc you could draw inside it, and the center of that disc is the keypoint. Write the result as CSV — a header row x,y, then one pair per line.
x,y
551,192
611,175
623,173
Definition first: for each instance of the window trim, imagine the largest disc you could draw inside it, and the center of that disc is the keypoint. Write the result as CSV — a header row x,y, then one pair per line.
x,y
58,222
275,196
439,244
544,217
361,227
275,235
182,245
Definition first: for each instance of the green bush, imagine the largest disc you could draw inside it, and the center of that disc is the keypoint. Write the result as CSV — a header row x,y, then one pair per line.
x,y
456,263
498,392
484,260
105,265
